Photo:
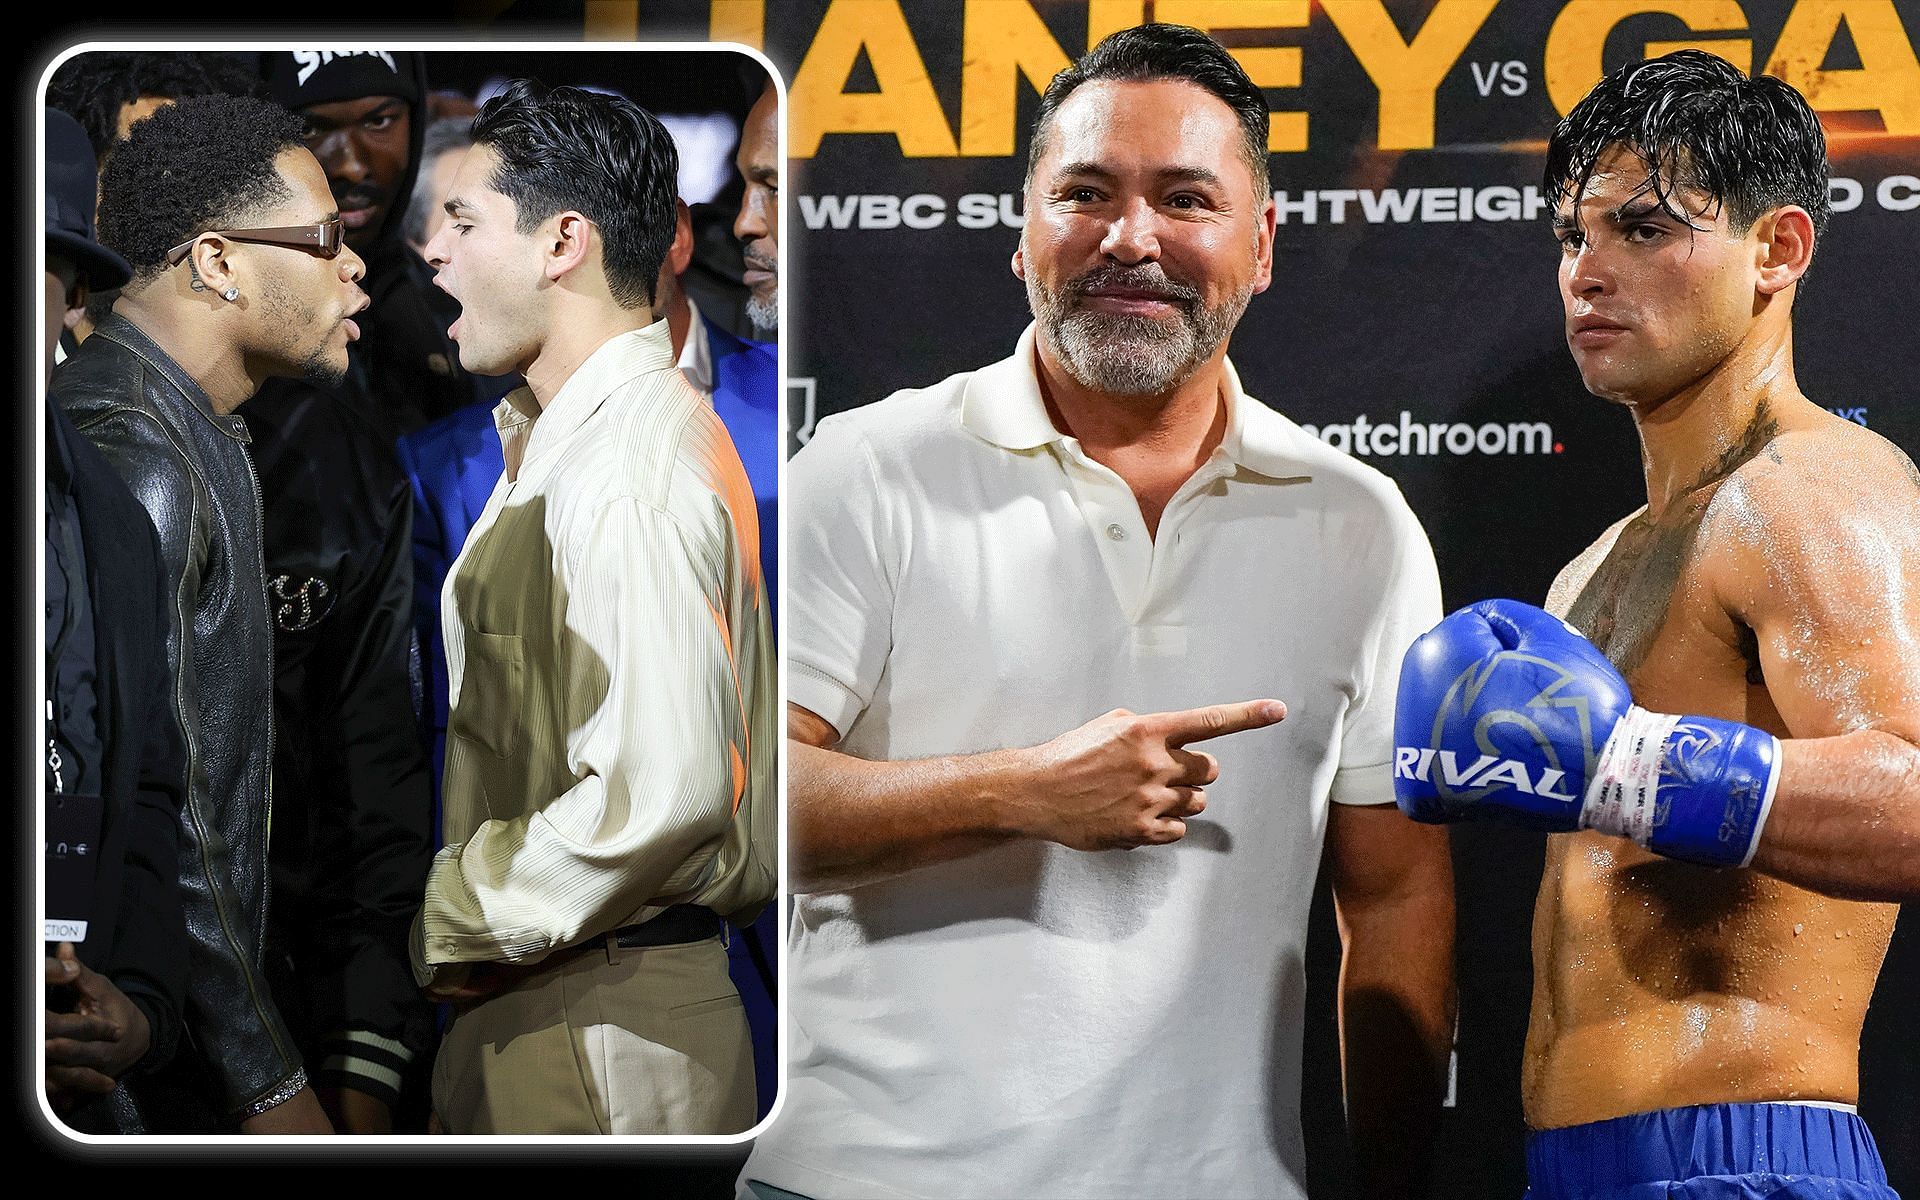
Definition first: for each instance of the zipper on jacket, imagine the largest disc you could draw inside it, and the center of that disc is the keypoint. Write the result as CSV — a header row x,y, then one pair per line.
x,y
259,546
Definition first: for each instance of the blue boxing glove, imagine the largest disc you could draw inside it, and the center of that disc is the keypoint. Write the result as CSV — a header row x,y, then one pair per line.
x,y
1505,712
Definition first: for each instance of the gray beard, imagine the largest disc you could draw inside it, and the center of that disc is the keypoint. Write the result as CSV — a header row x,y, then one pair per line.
x,y
765,314
1117,354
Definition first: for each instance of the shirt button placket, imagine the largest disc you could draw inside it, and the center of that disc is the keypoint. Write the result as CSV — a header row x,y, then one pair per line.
x,y
1126,546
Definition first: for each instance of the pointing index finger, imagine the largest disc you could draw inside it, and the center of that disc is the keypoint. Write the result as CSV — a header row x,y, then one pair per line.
x,y
1218,720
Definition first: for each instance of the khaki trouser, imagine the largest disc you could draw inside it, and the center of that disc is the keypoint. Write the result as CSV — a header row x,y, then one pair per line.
x,y
650,1040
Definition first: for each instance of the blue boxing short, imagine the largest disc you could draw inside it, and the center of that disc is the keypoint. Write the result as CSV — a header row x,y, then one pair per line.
x,y
1711,1152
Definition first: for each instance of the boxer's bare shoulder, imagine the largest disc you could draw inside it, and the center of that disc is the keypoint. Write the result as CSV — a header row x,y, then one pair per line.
x,y
1660,984
1814,544
1810,486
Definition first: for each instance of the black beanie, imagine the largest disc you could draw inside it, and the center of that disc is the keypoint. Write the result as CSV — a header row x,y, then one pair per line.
x,y
297,78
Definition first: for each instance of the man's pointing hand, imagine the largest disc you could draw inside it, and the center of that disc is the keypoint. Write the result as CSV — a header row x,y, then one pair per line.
x,y
1124,779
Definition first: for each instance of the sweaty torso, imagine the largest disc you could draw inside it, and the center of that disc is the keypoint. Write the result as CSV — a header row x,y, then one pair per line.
x,y
1659,984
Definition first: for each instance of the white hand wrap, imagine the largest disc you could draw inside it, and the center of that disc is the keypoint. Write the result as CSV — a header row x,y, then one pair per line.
x,y
1621,796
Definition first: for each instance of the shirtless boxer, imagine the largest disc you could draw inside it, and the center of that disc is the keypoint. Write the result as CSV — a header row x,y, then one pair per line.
x,y
1720,896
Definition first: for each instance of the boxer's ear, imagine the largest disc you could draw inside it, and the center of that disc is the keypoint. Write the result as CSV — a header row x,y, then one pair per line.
x,y
1783,247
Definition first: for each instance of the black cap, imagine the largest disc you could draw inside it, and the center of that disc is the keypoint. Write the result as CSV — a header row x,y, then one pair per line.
x,y
72,185
298,78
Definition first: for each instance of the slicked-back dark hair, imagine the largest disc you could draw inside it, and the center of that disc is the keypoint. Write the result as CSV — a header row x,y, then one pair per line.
x,y
94,87
601,156
1159,51
1751,144
204,163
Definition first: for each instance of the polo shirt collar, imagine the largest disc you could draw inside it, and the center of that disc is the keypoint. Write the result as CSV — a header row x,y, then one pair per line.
x,y
1257,437
1002,405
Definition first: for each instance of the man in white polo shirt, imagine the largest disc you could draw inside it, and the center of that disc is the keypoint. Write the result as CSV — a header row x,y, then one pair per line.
x,y
989,997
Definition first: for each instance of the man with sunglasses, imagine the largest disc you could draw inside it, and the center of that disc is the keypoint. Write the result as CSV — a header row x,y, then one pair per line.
x,y
240,275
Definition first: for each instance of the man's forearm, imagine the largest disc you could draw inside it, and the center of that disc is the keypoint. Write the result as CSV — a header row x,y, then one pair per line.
x,y
361,1060
1396,1034
852,821
1845,819
1119,781
163,1023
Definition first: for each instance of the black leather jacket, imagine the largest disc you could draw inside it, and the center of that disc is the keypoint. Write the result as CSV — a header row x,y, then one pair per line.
x,y
188,466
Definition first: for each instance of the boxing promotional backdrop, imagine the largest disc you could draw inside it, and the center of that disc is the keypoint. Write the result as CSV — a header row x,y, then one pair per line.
x,y
1413,321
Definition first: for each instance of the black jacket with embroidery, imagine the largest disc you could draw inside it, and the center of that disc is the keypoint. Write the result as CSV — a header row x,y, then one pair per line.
x,y
352,835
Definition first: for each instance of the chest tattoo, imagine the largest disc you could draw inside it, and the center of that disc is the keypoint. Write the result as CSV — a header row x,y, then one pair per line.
x,y
1624,605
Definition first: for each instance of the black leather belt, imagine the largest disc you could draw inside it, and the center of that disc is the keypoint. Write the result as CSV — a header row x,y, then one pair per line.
x,y
676,926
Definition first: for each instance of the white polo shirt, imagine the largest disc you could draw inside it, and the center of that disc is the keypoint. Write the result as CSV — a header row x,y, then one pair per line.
x,y
1037,1021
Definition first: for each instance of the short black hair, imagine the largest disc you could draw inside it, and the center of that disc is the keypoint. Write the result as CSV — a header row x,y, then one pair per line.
x,y
93,87
1750,143
1160,51
203,163
602,156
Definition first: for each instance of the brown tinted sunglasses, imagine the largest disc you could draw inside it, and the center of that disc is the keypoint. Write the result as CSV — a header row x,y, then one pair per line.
x,y
323,239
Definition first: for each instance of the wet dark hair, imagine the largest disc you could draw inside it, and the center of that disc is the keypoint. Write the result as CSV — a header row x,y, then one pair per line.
x,y
203,163
94,87
1160,51
602,156
1752,144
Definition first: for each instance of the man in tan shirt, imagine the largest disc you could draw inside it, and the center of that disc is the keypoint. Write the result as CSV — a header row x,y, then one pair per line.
x,y
609,793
